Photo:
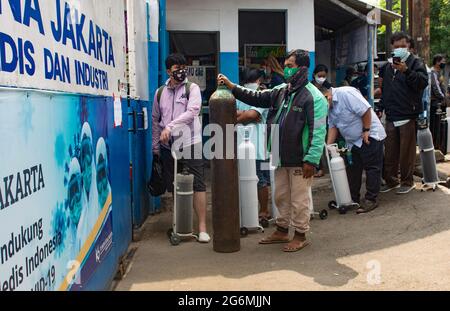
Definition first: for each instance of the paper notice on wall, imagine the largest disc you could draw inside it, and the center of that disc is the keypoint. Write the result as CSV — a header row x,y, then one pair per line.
x,y
117,111
144,111
197,75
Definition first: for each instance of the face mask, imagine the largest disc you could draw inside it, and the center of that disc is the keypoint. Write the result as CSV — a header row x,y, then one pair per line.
x,y
179,75
442,66
320,80
252,86
290,72
403,53
75,199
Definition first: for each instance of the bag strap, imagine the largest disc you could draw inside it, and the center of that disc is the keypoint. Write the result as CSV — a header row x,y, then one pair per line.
x,y
159,93
188,89
158,98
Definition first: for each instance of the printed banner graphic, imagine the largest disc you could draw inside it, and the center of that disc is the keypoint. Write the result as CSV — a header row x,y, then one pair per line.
x,y
55,193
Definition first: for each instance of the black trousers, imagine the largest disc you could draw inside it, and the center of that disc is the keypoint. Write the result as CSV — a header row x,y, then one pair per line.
x,y
370,159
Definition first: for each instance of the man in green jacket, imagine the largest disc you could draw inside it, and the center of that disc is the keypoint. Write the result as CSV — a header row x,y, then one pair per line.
x,y
298,128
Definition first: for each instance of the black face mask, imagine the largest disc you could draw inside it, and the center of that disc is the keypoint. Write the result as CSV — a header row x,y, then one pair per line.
x,y
179,75
442,65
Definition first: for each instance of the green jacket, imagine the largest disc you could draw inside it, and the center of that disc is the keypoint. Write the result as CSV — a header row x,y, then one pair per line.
x,y
302,118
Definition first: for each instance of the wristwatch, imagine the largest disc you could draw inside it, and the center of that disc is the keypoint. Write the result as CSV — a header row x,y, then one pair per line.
x,y
366,129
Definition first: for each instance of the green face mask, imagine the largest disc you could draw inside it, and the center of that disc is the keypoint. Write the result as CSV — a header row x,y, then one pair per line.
x,y
289,72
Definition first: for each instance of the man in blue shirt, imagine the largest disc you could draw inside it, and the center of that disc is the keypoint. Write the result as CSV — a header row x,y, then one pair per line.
x,y
352,116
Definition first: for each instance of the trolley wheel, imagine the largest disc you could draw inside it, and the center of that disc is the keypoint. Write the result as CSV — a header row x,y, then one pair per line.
x,y
174,239
169,232
342,210
323,214
264,223
244,231
332,205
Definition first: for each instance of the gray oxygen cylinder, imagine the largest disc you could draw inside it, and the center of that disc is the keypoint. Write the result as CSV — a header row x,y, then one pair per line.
x,y
427,156
184,202
448,130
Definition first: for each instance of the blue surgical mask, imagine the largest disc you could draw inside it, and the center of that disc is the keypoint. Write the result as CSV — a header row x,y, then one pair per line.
x,y
403,53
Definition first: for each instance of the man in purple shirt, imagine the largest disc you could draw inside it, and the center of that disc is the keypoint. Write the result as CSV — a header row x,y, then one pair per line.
x,y
176,126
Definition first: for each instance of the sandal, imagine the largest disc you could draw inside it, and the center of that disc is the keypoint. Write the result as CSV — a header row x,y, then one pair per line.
x,y
301,239
265,216
274,240
302,245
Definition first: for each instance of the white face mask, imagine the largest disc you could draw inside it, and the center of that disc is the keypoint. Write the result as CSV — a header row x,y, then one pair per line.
x,y
252,86
320,80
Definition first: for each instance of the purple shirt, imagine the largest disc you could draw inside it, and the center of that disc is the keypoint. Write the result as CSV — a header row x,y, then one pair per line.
x,y
178,114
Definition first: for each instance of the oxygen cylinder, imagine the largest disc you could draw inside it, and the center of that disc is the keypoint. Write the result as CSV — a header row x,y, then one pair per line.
x,y
448,130
184,202
436,129
444,131
427,156
340,181
224,177
275,213
248,182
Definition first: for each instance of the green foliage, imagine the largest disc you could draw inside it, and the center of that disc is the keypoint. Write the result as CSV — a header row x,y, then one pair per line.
x,y
440,27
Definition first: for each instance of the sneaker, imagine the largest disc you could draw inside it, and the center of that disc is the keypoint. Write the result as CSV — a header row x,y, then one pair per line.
x,y
387,188
405,189
367,206
204,237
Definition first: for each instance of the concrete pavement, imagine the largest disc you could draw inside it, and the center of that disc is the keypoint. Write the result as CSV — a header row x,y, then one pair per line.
x,y
402,245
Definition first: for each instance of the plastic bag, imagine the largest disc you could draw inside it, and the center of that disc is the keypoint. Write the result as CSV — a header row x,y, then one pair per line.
x,y
156,185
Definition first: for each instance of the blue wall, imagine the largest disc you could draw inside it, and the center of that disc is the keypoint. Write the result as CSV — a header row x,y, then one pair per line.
x,y
229,65
312,57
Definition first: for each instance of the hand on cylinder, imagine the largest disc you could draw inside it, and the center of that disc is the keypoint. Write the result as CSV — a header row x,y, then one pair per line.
x,y
223,80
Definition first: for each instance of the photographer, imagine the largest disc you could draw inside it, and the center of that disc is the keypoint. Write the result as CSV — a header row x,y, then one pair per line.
x,y
404,81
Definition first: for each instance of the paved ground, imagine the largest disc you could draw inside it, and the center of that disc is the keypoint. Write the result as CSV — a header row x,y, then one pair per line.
x,y
403,245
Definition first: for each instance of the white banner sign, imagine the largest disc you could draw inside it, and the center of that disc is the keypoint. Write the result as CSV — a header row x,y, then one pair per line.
x,y
72,46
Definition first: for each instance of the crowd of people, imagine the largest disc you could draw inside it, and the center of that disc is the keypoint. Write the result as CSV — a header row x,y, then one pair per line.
x,y
307,115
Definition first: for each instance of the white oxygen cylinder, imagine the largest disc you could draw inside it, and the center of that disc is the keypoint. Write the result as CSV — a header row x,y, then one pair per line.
x,y
340,181
275,213
448,129
248,182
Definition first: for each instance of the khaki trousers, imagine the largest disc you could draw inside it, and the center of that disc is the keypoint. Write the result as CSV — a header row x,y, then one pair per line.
x,y
292,198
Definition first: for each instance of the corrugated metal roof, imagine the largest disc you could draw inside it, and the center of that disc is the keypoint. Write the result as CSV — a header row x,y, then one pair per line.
x,y
331,16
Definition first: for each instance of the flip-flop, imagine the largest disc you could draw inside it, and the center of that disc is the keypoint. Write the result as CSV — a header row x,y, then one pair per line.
x,y
267,217
270,240
296,249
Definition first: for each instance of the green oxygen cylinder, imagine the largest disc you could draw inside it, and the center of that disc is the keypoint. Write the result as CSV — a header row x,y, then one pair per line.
x,y
225,186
